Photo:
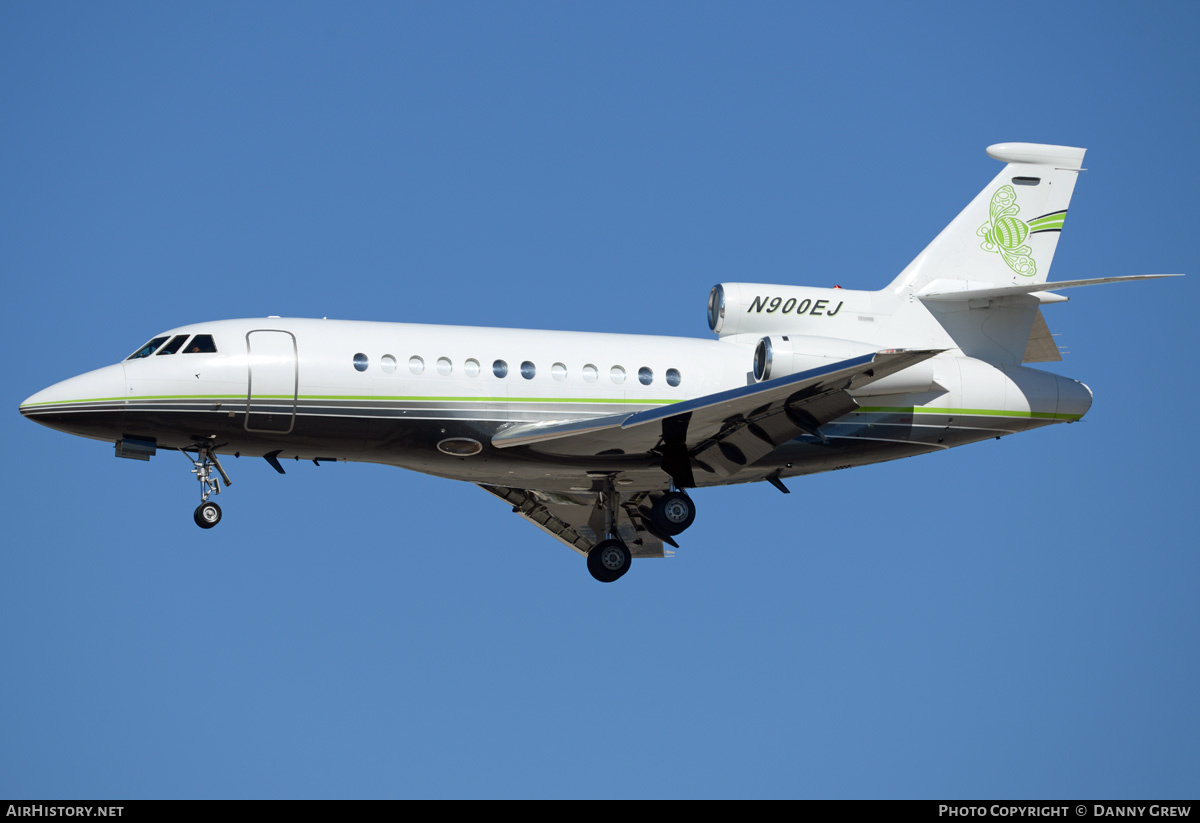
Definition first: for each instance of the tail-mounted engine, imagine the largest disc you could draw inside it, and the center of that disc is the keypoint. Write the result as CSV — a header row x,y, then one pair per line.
x,y
781,355
760,308
805,329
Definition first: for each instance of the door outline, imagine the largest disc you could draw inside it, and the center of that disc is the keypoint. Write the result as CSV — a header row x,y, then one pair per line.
x,y
250,382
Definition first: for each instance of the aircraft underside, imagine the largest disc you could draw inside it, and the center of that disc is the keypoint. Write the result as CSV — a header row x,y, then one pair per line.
x,y
860,438
624,506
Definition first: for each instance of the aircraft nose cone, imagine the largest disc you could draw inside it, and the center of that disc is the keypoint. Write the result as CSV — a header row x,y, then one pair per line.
x,y
89,404
1074,398
34,404
39,402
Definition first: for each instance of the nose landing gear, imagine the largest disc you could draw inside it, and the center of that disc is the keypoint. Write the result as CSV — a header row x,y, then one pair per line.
x,y
207,514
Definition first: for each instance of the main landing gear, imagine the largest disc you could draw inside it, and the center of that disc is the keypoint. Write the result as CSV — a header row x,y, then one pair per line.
x,y
609,559
208,513
672,513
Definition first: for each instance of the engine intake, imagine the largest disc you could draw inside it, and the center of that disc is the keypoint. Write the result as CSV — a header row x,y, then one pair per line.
x,y
764,358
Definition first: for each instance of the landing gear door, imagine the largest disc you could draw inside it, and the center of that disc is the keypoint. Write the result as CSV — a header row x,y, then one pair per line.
x,y
273,381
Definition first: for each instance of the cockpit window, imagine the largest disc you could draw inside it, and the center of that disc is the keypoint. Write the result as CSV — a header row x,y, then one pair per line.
x,y
200,344
173,346
148,349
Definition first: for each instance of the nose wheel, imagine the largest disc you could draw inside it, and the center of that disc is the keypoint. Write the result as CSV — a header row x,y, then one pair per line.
x,y
208,513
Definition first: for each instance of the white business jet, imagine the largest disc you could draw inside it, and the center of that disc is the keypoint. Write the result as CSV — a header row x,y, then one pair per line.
x,y
595,438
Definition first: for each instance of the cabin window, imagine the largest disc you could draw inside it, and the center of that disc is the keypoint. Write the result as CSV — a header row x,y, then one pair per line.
x,y
617,374
528,370
148,349
500,368
645,375
673,377
471,367
590,373
416,365
444,366
173,346
201,344
559,372
387,363
361,361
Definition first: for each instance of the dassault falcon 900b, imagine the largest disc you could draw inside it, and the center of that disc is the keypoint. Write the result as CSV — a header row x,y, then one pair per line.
x,y
594,438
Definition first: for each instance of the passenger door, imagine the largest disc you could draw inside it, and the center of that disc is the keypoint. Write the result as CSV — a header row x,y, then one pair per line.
x,y
274,378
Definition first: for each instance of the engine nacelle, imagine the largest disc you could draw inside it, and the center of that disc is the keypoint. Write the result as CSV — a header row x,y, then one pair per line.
x,y
781,355
757,308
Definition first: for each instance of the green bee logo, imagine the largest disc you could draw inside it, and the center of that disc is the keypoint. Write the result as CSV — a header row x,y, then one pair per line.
x,y
1005,234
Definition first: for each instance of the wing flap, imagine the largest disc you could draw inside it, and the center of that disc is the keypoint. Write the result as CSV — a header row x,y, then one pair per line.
x,y
744,445
571,519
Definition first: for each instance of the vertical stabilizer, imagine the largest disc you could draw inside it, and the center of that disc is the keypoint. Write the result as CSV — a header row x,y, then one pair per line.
x,y
1007,235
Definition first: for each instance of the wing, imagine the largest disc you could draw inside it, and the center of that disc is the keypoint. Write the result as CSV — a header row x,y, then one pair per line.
x,y
720,433
577,521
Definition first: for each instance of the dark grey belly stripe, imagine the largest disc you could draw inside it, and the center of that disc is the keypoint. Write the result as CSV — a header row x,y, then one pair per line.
x,y
861,425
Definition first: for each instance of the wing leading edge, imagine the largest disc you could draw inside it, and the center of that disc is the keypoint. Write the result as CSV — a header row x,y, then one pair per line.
x,y
725,432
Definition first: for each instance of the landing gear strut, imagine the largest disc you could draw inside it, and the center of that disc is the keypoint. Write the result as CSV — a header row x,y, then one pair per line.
x,y
207,514
610,558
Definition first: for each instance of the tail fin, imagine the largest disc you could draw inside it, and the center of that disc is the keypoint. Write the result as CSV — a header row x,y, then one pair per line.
x,y
1007,235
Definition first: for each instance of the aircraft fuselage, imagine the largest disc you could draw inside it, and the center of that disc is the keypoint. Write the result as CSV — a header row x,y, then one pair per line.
x,y
391,392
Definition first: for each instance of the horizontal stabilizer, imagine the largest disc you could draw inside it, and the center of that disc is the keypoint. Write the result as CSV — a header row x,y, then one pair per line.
x,y
941,294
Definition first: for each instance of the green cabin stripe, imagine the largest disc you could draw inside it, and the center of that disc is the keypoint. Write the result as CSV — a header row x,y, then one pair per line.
x,y
599,400
387,398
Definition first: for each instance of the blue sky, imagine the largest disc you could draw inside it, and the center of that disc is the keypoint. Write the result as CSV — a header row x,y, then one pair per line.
x,y
1011,619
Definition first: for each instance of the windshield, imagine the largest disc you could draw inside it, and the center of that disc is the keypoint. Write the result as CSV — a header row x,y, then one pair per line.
x,y
148,349
173,346
202,343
